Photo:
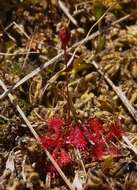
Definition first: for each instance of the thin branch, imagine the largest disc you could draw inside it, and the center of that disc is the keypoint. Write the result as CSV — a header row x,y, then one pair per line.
x,y
57,57
19,53
37,138
78,155
121,19
67,13
27,54
130,145
100,19
17,26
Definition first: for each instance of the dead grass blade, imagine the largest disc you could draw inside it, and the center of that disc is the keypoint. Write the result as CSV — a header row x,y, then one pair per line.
x,y
129,144
18,53
67,13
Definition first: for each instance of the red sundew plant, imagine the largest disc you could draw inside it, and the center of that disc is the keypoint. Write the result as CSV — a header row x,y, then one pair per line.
x,y
89,136
78,136
62,157
65,158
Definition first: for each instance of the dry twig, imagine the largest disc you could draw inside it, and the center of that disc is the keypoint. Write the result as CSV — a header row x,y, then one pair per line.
x,y
18,53
18,27
67,13
129,144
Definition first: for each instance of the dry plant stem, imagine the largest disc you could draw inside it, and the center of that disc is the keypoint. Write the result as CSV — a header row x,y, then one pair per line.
x,y
98,21
27,54
67,83
119,92
17,26
130,145
81,161
19,53
37,138
54,77
56,58
67,13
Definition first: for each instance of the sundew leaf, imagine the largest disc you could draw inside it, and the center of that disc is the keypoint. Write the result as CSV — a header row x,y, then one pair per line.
x,y
76,138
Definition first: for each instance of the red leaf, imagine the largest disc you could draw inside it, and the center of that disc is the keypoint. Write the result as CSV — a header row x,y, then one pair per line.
x,y
96,125
52,142
61,157
98,151
56,123
116,130
76,138
60,141
65,158
51,169
55,155
95,138
48,142
110,135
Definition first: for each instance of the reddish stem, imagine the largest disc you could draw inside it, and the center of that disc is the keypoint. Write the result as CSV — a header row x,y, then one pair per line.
x,y
67,82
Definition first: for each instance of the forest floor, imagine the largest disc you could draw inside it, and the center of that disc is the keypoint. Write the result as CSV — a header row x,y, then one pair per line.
x,y
68,95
